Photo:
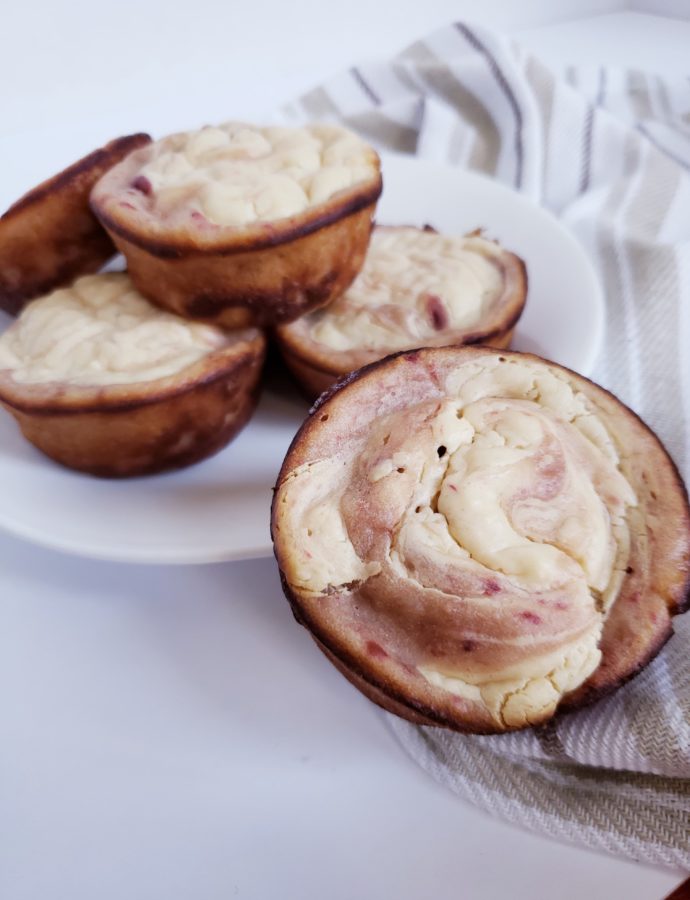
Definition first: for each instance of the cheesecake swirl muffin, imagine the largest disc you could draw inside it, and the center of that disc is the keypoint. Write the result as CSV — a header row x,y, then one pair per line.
x,y
50,236
102,381
417,288
477,538
240,224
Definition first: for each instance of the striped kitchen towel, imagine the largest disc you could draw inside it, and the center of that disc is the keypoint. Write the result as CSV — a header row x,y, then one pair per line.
x,y
608,151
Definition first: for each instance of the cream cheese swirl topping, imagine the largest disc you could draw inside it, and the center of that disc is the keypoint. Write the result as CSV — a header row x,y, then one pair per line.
x,y
414,284
238,174
101,331
483,533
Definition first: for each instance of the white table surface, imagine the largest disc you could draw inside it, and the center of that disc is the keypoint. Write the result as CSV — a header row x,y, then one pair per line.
x,y
171,732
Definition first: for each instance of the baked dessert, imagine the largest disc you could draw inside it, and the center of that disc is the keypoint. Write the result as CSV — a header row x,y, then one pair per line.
x,y
477,538
243,225
50,236
102,381
417,288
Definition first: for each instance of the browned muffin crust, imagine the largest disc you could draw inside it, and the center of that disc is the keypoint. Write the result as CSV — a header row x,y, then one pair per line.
x,y
50,236
317,367
654,588
238,285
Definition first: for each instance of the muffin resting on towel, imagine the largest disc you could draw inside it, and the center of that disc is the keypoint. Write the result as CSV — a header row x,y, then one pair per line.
x,y
477,538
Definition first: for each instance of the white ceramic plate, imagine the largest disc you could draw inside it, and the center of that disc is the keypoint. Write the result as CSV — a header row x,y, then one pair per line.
x,y
219,510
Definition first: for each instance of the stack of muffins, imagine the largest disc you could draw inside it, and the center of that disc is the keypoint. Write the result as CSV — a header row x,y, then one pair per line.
x,y
228,233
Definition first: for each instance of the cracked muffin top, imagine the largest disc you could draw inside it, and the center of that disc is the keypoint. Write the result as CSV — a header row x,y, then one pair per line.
x,y
236,176
101,331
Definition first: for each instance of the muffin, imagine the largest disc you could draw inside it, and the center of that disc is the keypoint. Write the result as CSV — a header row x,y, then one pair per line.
x,y
102,381
242,225
50,236
418,288
478,538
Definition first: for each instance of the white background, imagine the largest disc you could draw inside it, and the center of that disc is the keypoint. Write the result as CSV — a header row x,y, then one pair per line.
x,y
171,733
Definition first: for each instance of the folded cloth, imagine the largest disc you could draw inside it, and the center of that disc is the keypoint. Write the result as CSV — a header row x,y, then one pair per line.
x,y
608,151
